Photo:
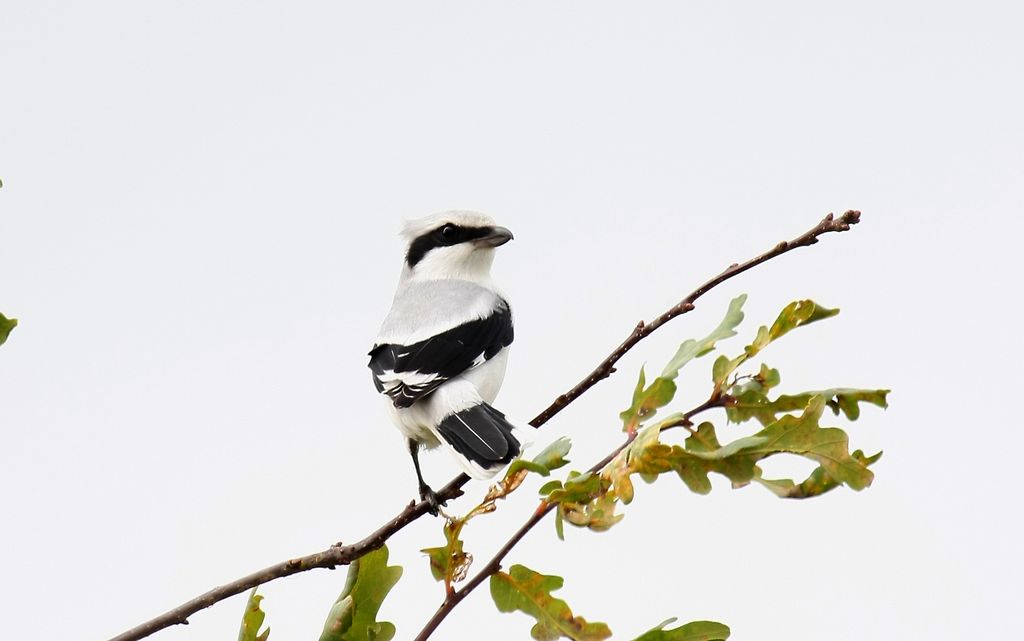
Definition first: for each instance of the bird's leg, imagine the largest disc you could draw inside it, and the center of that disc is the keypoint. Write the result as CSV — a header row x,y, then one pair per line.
x,y
426,494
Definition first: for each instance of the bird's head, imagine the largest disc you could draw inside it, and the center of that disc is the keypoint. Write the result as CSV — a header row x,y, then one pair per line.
x,y
452,244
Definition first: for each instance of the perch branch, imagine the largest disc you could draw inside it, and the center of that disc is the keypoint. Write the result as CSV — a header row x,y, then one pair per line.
x,y
339,554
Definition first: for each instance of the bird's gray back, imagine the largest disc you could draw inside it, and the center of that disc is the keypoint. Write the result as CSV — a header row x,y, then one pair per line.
x,y
424,309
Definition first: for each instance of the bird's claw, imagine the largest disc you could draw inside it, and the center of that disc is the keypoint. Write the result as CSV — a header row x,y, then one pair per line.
x,y
433,499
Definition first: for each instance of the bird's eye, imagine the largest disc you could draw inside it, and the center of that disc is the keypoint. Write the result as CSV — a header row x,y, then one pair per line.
x,y
449,232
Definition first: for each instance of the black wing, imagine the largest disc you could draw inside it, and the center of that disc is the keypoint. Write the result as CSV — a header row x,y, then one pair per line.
x,y
407,373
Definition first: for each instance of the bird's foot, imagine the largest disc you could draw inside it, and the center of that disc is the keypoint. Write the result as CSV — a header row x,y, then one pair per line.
x,y
433,499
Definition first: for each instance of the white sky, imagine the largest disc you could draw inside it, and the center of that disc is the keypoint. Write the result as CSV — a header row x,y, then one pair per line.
x,y
198,232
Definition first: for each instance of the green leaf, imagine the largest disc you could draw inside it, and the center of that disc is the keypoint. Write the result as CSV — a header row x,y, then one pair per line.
x,y
550,487
641,384
847,400
703,439
578,488
530,592
695,631
551,458
252,620
6,325
750,401
354,615
694,349
645,404
798,314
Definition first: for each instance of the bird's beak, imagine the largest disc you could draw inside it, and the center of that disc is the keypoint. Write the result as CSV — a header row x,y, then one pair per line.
x,y
498,236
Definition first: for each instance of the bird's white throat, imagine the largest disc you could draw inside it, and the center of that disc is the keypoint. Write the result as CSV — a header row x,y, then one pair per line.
x,y
461,262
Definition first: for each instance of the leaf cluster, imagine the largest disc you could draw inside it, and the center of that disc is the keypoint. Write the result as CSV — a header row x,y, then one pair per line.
x,y
790,424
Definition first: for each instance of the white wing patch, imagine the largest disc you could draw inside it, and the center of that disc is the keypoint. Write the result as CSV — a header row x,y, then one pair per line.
x,y
408,384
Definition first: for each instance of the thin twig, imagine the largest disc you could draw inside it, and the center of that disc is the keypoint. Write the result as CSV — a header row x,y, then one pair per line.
x,y
642,330
344,554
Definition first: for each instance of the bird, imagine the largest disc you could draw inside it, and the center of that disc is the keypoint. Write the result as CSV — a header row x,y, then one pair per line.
x,y
439,358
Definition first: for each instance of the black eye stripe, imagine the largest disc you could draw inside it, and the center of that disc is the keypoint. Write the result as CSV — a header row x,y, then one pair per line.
x,y
444,236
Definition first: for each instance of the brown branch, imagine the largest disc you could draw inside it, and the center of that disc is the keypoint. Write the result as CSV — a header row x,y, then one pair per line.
x,y
828,224
342,554
538,515
642,330
333,556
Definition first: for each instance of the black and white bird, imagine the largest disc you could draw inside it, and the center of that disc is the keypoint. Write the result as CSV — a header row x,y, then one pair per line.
x,y
440,356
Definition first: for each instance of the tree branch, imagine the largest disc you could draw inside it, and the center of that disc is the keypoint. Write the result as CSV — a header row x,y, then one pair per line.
x,y
606,367
339,554
333,556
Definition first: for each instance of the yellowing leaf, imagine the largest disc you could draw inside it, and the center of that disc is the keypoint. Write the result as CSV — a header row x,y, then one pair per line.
x,y
252,620
449,562
617,472
796,314
354,615
598,514
585,500
816,484
828,446
551,457
530,592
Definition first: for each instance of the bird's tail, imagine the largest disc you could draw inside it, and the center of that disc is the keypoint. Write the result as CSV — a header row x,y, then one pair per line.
x,y
481,438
